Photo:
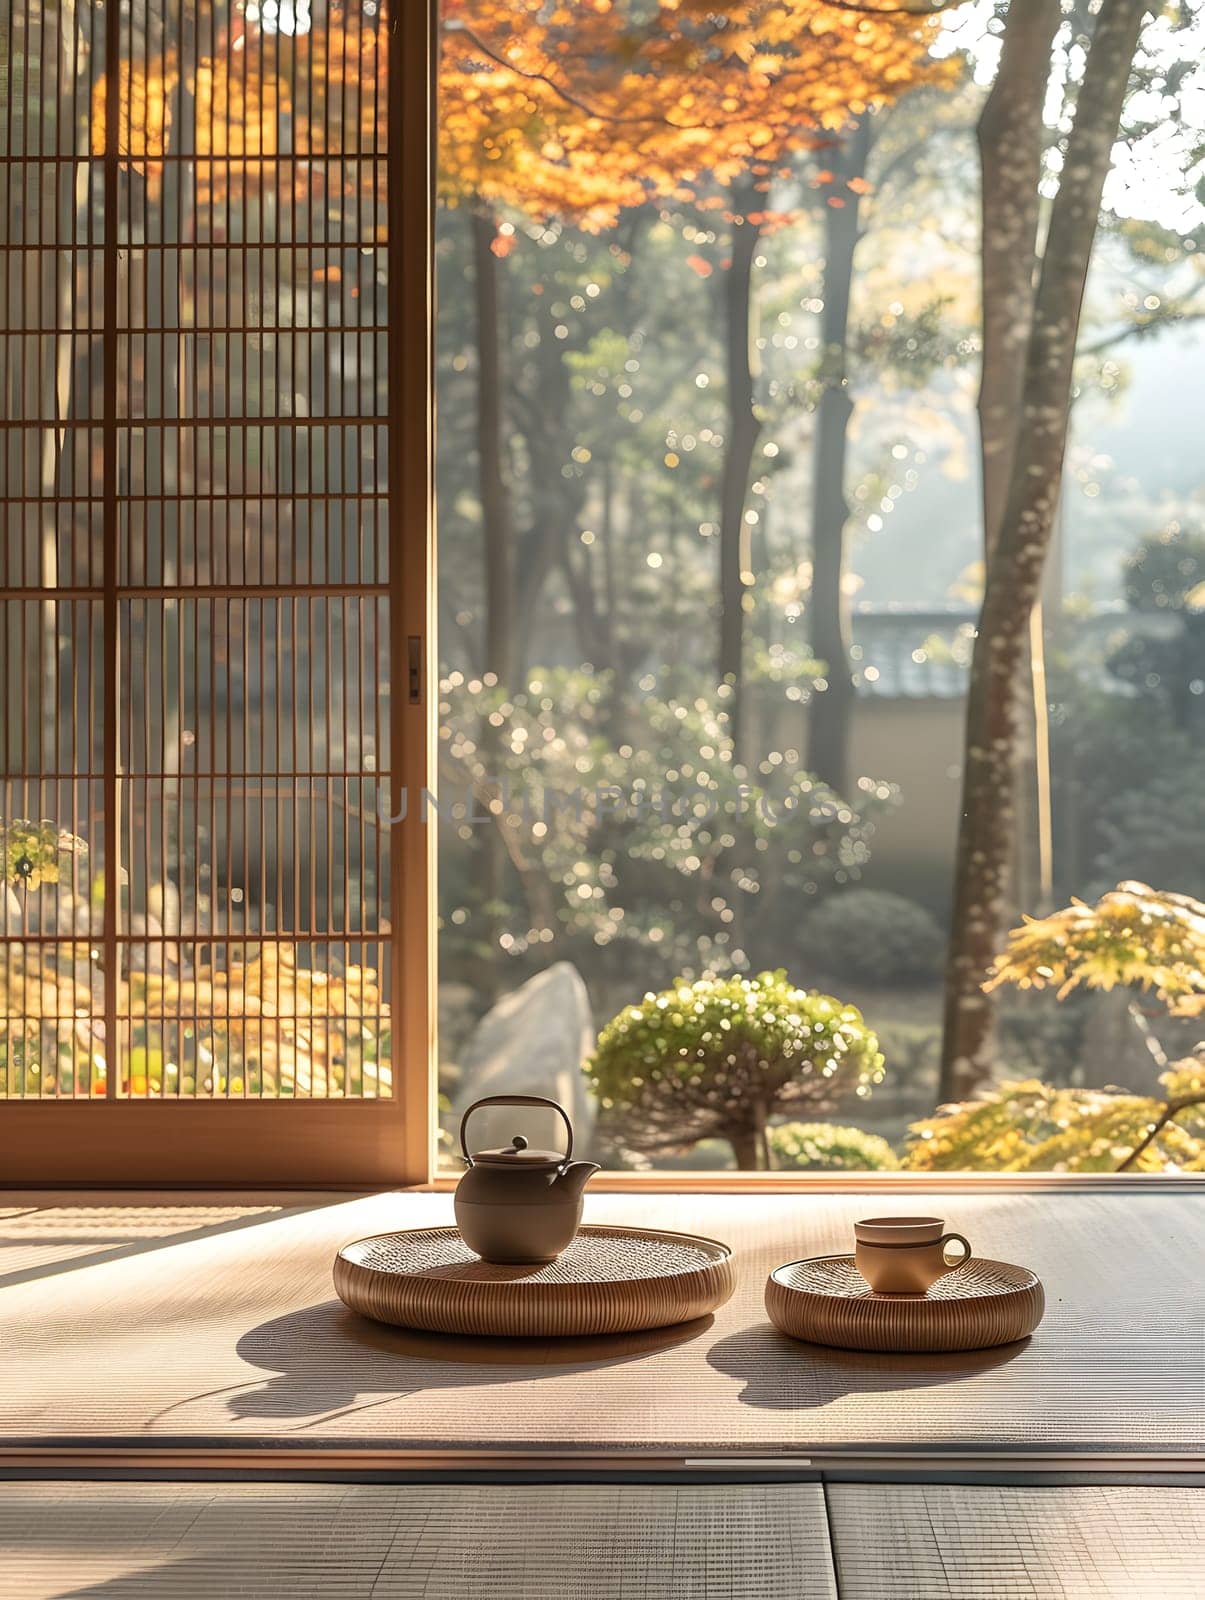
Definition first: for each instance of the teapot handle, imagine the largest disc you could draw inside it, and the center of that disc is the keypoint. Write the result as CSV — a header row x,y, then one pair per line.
x,y
515,1100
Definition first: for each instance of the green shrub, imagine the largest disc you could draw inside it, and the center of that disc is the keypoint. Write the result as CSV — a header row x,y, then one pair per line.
x,y
1161,655
1165,571
720,1057
611,845
1153,832
872,936
828,1147
911,1050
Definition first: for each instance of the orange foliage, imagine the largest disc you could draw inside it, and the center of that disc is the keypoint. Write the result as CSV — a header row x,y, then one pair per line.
x,y
238,78
582,111
237,107
142,127
345,77
557,107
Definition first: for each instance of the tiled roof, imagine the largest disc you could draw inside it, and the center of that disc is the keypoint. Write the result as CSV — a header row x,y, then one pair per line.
x,y
907,653
923,653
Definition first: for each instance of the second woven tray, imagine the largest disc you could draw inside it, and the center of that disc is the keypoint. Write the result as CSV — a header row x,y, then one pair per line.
x,y
826,1300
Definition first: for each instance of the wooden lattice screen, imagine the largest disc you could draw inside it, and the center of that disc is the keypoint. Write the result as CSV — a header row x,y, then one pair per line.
x,y
195,619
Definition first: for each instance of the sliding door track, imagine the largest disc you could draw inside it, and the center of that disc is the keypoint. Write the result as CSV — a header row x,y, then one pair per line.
x,y
334,1463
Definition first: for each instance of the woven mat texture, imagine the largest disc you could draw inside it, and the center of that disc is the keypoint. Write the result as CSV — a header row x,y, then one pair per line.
x,y
278,1542
590,1258
944,1542
229,1330
114,1541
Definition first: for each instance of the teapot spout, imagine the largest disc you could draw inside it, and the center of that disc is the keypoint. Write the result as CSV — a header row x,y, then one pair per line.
x,y
574,1178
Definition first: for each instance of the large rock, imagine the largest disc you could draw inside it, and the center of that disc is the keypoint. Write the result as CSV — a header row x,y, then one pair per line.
x,y
533,1041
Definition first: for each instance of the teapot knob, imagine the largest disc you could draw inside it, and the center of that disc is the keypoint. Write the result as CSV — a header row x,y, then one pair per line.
x,y
518,1142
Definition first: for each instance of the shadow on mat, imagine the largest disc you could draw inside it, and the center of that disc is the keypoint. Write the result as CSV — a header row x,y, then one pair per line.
x,y
326,1361
782,1374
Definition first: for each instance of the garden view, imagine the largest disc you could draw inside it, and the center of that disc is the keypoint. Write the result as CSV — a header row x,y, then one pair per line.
x,y
822,580
822,570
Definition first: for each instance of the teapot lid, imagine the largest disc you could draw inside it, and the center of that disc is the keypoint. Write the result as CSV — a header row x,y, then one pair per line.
x,y
518,1154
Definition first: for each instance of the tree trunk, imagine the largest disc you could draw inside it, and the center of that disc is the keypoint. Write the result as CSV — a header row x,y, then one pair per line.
x,y
1011,136
743,428
609,563
831,711
497,543
746,1147
498,644
1014,573
579,581
556,508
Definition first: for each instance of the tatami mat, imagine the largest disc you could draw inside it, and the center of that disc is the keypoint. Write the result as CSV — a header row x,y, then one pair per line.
x,y
227,1331
942,1542
37,1240
172,1542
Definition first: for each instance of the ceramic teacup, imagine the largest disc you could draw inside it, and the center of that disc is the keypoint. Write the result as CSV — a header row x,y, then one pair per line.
x,y
905,1255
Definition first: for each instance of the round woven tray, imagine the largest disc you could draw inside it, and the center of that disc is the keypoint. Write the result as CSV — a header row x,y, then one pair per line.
x,y
609,1280
826,1300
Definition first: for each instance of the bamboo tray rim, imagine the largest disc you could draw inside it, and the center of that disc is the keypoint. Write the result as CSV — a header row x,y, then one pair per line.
x,y
646,1278
1025,1284
845,1315
718,1252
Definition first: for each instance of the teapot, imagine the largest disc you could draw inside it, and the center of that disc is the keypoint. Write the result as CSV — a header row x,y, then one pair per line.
x,y
515,1204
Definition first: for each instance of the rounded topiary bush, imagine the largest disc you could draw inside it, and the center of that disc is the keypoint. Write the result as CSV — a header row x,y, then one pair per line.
x,y
1165,571
828,1147
716,1059
873,936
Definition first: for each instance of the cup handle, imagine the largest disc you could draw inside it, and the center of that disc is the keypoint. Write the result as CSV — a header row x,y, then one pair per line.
x,y
952,1266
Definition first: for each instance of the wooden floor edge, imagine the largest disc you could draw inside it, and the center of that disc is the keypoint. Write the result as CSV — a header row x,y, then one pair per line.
x,y
668,1184
263,1463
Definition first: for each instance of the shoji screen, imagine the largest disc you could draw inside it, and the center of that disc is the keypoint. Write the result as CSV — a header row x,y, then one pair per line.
x,y
198,624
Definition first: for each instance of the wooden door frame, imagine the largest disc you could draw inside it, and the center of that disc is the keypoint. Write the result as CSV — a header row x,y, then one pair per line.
x,y
320,1143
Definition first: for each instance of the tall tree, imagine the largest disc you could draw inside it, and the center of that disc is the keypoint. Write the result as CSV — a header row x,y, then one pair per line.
x,y
868,184
1018,555
581,112
497,533
740,441
829,713
1011,136
520,129
807,85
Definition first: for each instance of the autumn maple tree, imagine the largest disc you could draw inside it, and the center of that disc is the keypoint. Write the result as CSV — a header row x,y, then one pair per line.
x,y
1134,939
805,76
584,111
